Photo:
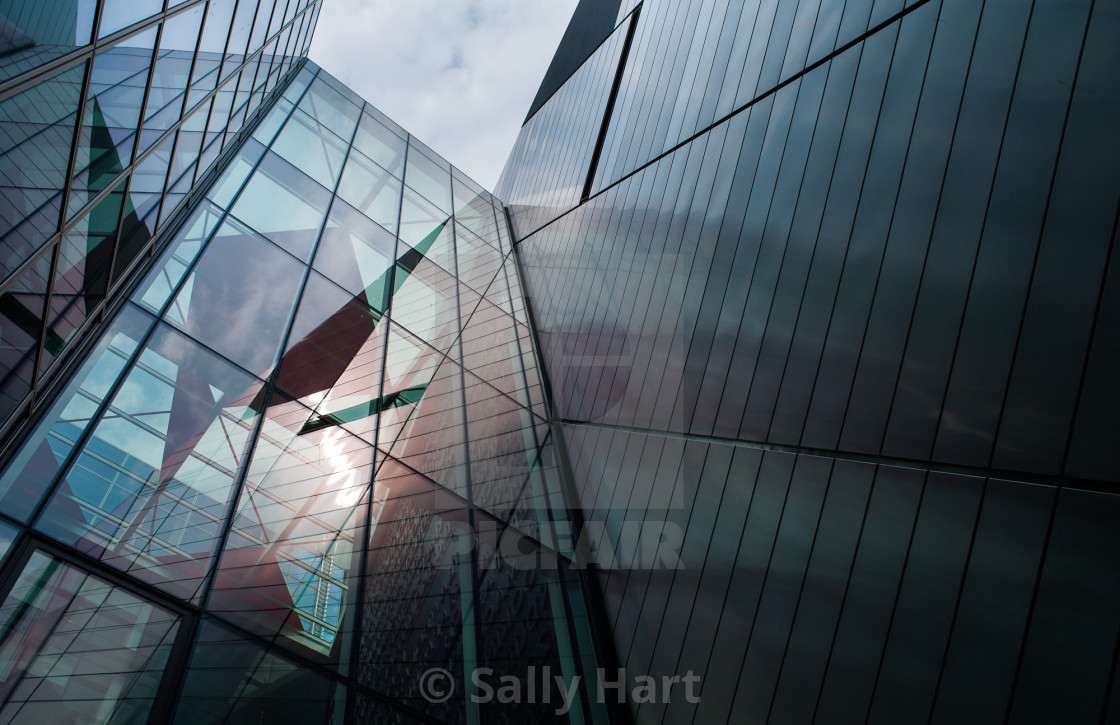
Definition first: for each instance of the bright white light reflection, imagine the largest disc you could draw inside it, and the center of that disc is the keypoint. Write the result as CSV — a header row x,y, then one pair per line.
x,y
344,471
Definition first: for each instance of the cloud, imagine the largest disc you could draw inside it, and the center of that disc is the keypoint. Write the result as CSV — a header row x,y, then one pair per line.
x,y
458,74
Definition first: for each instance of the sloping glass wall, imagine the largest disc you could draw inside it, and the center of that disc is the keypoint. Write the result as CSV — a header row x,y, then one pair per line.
x,y
317,429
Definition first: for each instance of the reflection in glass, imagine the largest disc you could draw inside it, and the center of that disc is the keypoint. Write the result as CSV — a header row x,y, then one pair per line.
x,y
148,492
117,14
426,297
112,112
378,142
229,183
330,108
171,74
8,534
416,573
311,148
432,180
76,649
164,278
81,276
42,456
231,680
357,254
21,318
333,360
283,204
371,190
239,297
425,429
288,567
38,129
37,31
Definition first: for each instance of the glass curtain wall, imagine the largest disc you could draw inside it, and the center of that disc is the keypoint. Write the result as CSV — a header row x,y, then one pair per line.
x,y
110,113
314,444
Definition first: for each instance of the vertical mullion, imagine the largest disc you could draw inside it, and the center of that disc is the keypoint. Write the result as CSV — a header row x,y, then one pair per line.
x,y
79,122
168,182
473,617
366,532
136,151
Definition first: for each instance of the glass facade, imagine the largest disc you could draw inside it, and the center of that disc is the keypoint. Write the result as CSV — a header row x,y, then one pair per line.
x,y
110,114
837,308
781,391
308,458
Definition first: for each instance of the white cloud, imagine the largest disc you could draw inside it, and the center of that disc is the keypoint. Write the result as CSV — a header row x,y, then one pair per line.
x,y
458,74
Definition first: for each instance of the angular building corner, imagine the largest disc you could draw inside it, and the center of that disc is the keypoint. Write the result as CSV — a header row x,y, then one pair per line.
x,y
773,384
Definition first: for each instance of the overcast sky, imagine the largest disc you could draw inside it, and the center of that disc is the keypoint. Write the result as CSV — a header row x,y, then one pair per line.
x,y
458,74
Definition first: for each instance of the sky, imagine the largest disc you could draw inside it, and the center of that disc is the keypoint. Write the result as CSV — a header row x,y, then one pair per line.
x,y
457,74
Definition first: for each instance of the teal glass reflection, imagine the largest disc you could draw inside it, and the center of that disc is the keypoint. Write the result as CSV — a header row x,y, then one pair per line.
x,y
425,430
332,361
357,254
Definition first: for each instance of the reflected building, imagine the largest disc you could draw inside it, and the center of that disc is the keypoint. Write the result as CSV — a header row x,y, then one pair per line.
x,y
780,358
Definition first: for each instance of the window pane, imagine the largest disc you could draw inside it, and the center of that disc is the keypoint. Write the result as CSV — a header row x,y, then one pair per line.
x,y
172,70
42,456
229,183
37,32
330,108
167,274
371,190
311,148
232,680
21,322
333,359
429,178
38,129
149,491
357,254
288,571
77,649
283,204
81,276
239,297
119,14
425,422
112,113
376,141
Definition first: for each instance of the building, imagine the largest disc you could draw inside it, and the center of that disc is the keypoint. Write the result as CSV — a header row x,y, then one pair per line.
x,y
772,384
